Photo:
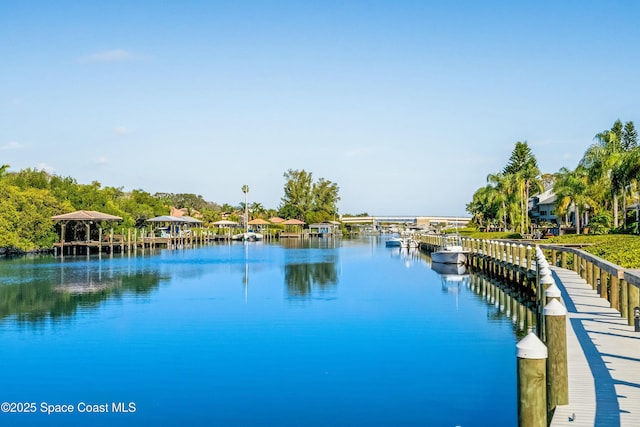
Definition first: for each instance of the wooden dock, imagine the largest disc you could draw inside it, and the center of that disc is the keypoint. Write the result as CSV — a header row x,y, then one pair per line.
x,y
603,359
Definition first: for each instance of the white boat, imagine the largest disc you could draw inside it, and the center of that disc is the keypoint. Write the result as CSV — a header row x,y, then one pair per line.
x,y
408,242
394,242
450,253
248,236
401,242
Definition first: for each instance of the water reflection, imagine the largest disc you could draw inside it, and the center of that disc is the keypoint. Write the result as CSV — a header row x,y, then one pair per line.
x,y
453,278
310,267
302,279
504,301
409,256
54,290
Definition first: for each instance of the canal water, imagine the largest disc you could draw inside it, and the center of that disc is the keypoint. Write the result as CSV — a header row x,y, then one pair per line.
x,y
304,333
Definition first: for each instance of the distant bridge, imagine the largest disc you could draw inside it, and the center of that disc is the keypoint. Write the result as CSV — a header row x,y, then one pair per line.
x,y
424,221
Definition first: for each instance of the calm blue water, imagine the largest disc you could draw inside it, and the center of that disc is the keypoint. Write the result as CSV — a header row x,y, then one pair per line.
x,y
330,334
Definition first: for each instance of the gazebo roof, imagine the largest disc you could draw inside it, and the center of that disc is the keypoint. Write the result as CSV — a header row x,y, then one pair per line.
x,y
293,221
258,221
191,219
276,220
86,216
167,218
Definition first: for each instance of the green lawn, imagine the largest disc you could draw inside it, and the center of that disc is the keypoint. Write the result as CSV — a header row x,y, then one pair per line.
x,y
620,249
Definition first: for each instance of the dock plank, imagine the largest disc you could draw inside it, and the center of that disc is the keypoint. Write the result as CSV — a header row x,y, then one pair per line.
x,y
603,359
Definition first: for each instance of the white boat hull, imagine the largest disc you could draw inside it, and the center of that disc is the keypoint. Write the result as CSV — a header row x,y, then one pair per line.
x,y
248,236
449,257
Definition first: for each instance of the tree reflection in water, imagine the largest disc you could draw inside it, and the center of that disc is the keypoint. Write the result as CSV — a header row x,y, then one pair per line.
x,y
38,299
302,279
310,268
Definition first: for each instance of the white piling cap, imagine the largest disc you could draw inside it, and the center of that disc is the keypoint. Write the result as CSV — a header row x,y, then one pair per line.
x,y
530,347
553,291
543,263
547,279
554,308
544,271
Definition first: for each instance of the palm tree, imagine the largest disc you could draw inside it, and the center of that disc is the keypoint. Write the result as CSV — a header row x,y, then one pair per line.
x,y
482,207
245,190
257,209
522,170
626,174
571,189
600,159
500,196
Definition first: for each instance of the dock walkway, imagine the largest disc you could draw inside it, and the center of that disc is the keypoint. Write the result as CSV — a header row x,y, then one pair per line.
x,y
603,359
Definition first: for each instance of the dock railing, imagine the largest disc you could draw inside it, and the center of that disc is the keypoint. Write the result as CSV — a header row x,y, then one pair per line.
x,y
618,285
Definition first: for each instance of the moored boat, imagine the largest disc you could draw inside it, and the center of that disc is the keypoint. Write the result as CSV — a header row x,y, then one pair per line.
x,y
451,253
248,236
394,242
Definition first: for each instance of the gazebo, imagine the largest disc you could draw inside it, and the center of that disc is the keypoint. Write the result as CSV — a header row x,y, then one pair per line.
x,y
293,227
87,218
173,222
276,220
321,229
226,224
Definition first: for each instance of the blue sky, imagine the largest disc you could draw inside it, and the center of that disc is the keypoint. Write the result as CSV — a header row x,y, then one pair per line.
x,y
406,105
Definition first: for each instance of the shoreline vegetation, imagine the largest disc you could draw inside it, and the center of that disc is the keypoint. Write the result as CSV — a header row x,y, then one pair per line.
x,y
30,198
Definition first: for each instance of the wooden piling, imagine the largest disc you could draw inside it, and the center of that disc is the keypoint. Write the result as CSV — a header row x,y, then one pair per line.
x,y
532,382
624,299
604,284
555,315
615,292
633,303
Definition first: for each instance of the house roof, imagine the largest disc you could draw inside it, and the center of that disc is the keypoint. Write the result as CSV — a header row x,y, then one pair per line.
x,y
546,198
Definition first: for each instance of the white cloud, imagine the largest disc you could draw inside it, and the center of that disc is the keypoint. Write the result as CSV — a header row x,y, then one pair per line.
x,y
122,130
45,167
101,161
12,145
114,55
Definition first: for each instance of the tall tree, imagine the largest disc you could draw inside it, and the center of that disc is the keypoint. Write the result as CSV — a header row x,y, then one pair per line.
x,y
501,195
629,136
601,158
325,200
524,172
571,189
308,201
297,199
484,206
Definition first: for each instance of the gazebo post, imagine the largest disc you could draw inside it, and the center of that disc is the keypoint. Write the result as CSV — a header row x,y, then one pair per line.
x,y
99,239
62,231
